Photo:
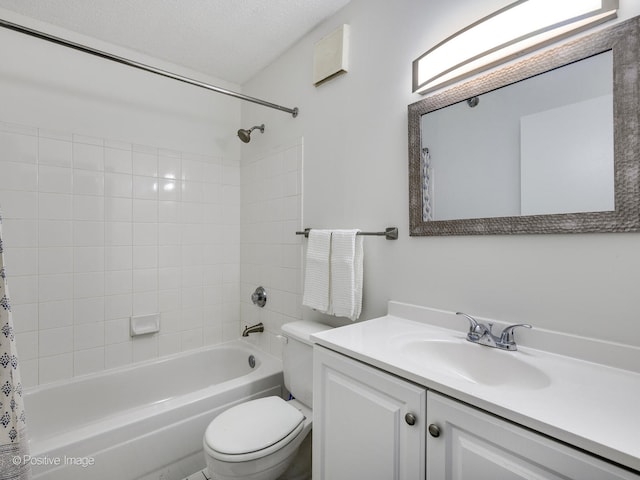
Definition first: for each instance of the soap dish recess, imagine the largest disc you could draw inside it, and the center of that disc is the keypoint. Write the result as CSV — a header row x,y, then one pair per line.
x,y
144,324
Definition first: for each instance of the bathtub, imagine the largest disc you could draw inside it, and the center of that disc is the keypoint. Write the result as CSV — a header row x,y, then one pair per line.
x,y
144,421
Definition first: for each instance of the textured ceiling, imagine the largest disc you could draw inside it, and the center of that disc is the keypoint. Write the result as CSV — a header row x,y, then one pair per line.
x,y
228,39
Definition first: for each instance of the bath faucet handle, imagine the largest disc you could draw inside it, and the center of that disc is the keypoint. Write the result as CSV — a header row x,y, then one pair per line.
x,y
259,297
507,338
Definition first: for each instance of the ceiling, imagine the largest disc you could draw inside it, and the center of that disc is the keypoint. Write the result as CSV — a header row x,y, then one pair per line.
x,y
228,39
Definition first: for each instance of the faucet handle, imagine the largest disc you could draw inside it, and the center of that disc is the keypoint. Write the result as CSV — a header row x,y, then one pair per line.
x,y
475,329
473,323
507,336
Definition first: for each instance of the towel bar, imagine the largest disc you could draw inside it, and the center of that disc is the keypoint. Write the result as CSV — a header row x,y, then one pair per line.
x,y
390,233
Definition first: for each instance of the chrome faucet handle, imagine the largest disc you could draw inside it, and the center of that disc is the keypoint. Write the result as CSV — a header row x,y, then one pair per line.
x,y
476,330
472,321
507,339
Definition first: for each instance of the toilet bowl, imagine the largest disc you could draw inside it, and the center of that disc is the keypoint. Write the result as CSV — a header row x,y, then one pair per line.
x,y
261,439
256,440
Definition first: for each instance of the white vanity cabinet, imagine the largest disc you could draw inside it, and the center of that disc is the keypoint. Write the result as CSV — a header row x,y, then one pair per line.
x,y
467,443
367,424
361,430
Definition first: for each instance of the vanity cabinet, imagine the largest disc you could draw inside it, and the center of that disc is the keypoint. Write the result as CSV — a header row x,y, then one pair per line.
x,y
370,424
367,424
467,443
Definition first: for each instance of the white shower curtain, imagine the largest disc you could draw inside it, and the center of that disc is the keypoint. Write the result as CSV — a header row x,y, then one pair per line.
x,y
13,433
427,186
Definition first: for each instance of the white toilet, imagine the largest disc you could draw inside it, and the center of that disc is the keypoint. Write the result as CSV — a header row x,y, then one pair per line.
x,y
259,439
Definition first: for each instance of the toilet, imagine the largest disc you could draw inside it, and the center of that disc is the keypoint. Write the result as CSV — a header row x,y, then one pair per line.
x,y
260,439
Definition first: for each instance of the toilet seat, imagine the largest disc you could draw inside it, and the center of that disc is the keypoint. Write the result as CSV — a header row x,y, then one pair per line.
x,y
272,424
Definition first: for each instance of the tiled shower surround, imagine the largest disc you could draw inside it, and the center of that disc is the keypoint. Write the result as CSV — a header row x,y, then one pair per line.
x,y
98,230
271,252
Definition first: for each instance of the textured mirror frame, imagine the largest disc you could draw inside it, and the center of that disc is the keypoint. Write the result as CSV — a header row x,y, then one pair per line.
x,y
623,40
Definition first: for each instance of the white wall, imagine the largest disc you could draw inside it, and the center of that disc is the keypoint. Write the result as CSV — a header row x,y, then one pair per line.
x,y
355,175
576,172
89,239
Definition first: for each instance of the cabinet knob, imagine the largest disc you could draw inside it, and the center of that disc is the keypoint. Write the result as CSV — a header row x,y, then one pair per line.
x,y
410,418
434,430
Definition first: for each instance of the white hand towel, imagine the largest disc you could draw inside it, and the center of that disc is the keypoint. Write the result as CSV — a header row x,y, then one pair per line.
x,y
346,273
317,271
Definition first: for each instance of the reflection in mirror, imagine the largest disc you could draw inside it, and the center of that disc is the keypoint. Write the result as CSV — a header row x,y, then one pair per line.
x,y
543,145
518,150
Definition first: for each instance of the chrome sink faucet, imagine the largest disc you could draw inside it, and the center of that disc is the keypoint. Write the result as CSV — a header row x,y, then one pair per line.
x,y
482,334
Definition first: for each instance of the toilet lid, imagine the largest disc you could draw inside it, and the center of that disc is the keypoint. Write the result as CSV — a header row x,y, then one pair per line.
x,y
252,426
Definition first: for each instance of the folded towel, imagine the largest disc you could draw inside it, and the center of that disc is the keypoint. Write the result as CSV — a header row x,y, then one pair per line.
x,y
346,273
317,271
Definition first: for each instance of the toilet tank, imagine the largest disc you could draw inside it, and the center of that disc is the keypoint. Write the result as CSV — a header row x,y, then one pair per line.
x,y
297,358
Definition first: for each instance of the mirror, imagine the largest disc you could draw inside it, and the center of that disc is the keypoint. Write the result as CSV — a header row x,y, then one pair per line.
x,y
546,145
537,146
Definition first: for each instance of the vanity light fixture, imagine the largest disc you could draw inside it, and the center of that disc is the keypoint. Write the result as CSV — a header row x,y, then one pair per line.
x,y
517,29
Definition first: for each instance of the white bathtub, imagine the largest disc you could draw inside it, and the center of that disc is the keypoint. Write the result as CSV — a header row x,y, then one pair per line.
x,y
144,421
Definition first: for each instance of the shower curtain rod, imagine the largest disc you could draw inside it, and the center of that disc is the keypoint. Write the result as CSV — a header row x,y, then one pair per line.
x,y
141,66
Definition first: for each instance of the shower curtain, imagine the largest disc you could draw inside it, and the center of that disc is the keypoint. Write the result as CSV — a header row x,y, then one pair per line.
x,y
427,186
14,463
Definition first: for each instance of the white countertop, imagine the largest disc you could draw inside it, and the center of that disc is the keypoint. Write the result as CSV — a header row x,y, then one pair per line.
x,y
591,406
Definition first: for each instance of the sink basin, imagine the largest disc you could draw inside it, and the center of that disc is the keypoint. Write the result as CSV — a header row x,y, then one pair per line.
x,y
475,363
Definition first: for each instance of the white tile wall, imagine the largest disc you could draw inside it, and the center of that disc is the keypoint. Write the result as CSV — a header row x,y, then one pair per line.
x,y
98,230
271,253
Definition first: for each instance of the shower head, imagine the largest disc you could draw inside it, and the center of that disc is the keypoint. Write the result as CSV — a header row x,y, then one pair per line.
x,y
245,135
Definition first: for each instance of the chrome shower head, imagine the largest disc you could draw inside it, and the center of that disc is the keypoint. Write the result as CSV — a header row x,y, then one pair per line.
x,y
245,135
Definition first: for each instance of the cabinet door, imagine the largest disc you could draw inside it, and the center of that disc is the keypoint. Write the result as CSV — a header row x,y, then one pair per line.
x,y
359,425
474,445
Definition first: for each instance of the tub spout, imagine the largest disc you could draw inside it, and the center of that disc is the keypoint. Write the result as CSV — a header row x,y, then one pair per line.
x,y
253,329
